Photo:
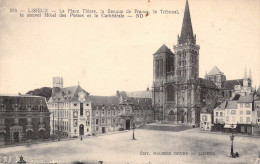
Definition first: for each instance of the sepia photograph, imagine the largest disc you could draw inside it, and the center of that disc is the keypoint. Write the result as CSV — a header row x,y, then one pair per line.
x,y
130,82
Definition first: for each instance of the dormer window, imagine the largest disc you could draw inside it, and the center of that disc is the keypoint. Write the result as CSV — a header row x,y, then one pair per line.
x,y
16,107
41,108
29,107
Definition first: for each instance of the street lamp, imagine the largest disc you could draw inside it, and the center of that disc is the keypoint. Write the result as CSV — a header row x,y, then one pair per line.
x,y
232,139
133,128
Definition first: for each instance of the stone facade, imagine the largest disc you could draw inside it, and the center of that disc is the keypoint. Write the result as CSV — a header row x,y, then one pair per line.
x,y
23,118
230,88
115,113
178,92
70,109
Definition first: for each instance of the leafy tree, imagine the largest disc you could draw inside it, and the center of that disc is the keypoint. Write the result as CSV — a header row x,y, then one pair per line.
x,y
44,91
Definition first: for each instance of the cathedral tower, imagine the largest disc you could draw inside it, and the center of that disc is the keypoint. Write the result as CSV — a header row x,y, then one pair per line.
x,y
187,51
187,72
176,83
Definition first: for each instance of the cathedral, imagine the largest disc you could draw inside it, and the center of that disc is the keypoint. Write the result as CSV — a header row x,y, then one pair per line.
x,y
178,92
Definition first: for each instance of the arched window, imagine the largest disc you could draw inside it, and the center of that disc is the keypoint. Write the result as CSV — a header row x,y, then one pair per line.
x,y
170,64
170,93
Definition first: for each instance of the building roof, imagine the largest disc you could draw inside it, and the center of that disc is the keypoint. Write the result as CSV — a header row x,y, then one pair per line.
x,y
120,99
163,49
67,94
140,94
229,84
204,83
258,91
104,100
246,99
215,71
231,105
222,105
22,101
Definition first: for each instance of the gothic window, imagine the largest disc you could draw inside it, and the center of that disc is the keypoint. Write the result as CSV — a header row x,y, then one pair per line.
x,y
170,93
157,68
160,67
170,64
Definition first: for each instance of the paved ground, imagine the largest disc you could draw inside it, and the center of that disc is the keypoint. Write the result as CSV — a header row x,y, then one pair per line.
x,y
189,146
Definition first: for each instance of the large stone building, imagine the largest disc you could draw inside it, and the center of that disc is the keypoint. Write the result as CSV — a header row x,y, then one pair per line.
x,y
23,118
70,109
178,92
120,112
230,88
75,113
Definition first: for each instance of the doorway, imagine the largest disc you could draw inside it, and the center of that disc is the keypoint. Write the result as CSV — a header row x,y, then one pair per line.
x,y
127,124
41,134
16,136
81,129
171,116
103,130
29,134
182,119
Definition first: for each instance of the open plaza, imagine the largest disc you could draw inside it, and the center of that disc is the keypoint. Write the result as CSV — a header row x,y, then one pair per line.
x,y
152,146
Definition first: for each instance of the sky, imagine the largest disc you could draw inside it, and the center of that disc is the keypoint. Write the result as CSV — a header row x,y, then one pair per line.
x,y
104,55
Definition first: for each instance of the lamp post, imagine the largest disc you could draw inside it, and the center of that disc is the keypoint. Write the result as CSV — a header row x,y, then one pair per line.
x,y
133,128
53,130
232,139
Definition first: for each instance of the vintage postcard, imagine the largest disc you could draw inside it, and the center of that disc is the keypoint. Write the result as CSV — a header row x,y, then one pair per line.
x,y
130,82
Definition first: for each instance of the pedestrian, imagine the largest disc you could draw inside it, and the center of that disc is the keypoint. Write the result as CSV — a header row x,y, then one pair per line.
x,y
81,138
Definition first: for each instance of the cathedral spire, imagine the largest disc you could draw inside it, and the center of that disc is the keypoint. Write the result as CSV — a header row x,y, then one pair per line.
x,y
250,74
186,30
245,74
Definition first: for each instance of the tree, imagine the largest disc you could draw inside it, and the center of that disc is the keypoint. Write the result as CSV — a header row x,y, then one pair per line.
x,y
44,91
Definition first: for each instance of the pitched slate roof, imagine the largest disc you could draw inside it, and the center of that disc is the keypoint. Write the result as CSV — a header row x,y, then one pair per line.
x,y
222,105
231,105
140,94
67,94
104,100
215,71
258,91
204,83
229,84
140,101
163,49
246,99
22,101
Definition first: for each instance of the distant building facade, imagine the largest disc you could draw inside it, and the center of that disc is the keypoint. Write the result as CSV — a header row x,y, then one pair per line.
x,y
70,110
216,76
256,114
205,121
241,113
114,113
230,88
23,118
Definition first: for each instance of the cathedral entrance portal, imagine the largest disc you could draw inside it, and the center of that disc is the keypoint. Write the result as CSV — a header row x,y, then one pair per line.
x,y
16,136
181,115
81,129
182,119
